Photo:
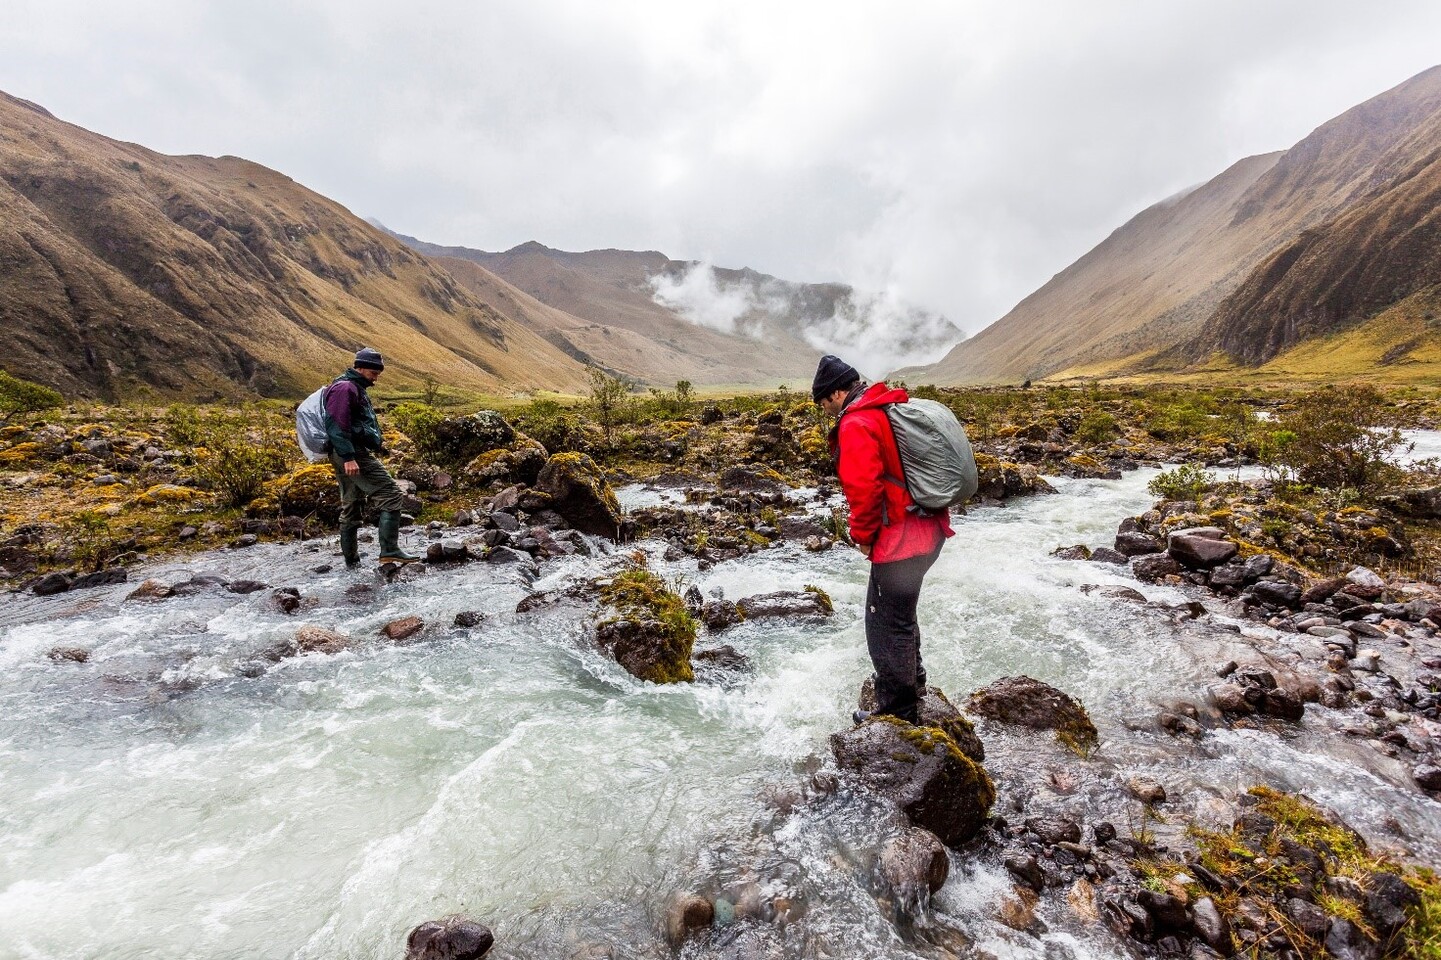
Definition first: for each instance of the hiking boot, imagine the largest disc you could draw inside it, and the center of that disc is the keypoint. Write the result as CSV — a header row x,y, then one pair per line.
x,y
861,716
389,530
350,546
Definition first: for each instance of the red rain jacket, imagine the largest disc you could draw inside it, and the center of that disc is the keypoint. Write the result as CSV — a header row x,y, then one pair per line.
x,y
869,466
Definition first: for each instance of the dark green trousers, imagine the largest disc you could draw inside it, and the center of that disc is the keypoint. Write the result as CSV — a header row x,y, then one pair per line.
x,y
372,484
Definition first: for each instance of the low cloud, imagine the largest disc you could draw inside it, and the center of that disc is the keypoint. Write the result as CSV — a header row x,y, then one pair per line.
x,y
877,332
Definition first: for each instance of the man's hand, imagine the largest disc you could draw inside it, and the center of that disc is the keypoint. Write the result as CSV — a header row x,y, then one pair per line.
x,y
352,468
864,548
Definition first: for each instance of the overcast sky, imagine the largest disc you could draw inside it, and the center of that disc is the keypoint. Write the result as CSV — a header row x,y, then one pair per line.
x,y
955,154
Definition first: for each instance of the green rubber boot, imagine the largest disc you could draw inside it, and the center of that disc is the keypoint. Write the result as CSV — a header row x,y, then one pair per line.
x,y
389,528
350,546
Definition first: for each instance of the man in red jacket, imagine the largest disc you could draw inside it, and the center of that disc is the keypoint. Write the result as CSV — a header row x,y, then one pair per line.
x,y
901,540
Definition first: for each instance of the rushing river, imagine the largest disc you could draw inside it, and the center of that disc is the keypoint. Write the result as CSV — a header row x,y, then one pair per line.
x,y
155,802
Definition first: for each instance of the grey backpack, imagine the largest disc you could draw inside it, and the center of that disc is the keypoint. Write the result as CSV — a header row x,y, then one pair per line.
x,y
310,426
936,457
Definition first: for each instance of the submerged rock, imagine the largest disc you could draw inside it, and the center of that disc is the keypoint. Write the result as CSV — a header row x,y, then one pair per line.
x,y
454,938
687,915
1027,702
914,864
653,635
921,771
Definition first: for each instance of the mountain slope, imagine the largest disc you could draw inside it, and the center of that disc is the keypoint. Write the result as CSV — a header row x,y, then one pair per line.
x,y
1382,250
1157,281
128,272
709,324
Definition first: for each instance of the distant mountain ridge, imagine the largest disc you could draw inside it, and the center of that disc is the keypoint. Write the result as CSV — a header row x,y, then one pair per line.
x,y
132,273
704,307
1276,251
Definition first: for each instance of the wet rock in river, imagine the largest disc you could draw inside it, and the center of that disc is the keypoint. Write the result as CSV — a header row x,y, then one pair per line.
x,y
1200,551
686,916
403,629
648,649
469,618
1107,555
1027,702
100,578
723,659
1054,830
936,710
286,599
1365,583
51,584
245,586
1277,593
1155,567
151,589
1135,544
921,771
313,639
914,864
1077,552
1148,790
719,614
785,603
1427,776
70,654
1027,869
454,938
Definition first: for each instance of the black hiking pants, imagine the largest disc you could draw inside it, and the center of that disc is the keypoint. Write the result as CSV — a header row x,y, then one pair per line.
x,y
894,637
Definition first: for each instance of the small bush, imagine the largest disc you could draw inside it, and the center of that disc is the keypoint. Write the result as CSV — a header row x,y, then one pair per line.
x,y
1336,438
1097,426
1186,482
421,423
240,453
19,397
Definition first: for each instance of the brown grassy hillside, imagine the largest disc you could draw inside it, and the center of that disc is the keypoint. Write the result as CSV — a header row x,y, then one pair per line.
x,y
615,320
1156,281
128,272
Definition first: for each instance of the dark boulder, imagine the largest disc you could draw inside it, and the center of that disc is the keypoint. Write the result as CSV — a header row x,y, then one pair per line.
x,y
1278,593
1389,902
719,614
785,603
1155,567
51,584
1135,544
454,938
101,578
1107,555
464,438
1200,552
648,649
1054,830
576,489
922,771
1026,702
1077,552
936,710
914,864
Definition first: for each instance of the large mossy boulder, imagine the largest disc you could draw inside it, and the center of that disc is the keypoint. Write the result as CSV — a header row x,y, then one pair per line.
x,y
520,462
576,488
936,710
462,439
651,633
922,771
310,491
1027,702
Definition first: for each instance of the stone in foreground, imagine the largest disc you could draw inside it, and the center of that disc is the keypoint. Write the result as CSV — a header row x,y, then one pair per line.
x,y
1027,702
920,770
936,710
454,938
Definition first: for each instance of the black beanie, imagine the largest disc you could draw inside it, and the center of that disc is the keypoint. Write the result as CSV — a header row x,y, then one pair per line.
x,y
832,374
368,358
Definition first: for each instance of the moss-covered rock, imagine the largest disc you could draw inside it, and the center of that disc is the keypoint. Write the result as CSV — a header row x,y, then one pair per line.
x,y
1027,702
462,439
576,489
311,490
653,633
922,771
936,710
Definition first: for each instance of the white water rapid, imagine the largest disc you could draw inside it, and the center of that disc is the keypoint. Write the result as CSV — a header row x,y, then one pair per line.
x,y
155,802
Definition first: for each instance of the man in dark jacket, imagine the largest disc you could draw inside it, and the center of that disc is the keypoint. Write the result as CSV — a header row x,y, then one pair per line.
x,y
354,440
901,541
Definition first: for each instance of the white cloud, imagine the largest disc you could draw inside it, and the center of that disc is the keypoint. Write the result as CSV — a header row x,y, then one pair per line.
x,y
958,154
